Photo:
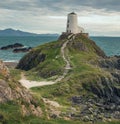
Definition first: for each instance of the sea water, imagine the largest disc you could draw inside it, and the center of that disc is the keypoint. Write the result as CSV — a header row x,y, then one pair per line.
x,y
31,41
110,45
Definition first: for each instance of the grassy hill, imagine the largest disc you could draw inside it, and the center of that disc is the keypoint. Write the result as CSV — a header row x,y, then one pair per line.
x,y
89,92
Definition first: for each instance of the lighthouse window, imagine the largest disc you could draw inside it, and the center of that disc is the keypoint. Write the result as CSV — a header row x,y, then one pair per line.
x,y
68,25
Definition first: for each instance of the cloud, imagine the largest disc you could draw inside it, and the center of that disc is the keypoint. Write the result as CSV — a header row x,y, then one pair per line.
x,y
49,16
55,6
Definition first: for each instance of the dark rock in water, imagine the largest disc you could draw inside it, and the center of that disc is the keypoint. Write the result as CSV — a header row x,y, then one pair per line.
x,y
16,45
22,50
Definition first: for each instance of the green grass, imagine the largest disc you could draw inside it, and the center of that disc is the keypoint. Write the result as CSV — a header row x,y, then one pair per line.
x,y
33,76
1,76
112,122
10,112
55,121
15,73
53,65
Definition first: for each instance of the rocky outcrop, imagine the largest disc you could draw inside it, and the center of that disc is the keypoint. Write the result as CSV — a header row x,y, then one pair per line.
x,y
31,60
11,90
94,109
18,50
104,104
110,63
16,45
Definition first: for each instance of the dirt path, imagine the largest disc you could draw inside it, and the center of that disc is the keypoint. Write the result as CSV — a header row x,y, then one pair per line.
x,y
67,67
28,84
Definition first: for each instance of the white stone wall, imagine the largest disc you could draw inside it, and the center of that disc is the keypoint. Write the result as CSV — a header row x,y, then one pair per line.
x,y
80,30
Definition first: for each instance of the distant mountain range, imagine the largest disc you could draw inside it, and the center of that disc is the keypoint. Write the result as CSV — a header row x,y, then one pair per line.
x,y
12,32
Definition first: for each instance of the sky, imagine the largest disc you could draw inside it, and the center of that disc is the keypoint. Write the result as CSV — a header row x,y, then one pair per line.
x,y
98,17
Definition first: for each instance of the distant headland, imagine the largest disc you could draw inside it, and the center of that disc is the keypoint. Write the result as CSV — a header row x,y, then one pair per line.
x,y
13,32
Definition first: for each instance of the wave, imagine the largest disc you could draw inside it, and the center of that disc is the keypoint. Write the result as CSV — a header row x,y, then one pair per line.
x,y
16,61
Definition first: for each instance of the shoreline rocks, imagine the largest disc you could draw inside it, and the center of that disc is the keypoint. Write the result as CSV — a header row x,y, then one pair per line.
x,y
18,50
12,46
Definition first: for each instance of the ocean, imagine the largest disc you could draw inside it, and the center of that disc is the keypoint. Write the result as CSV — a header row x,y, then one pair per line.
x,y
110,45
30,41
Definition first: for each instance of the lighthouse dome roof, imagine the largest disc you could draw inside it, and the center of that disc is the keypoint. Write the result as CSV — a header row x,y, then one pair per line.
x,y
73,13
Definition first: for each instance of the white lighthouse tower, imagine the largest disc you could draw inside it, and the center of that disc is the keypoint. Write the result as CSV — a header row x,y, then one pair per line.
x,y
72,24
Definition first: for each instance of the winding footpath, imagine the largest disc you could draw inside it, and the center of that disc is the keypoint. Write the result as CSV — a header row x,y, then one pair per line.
x,y
67,67
29,84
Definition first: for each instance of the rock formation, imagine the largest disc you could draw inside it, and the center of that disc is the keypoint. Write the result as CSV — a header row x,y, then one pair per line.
x,y
18,50
12,91
16,45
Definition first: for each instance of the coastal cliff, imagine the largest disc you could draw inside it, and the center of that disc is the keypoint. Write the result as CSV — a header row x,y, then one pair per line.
x,y
91,88
15,101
